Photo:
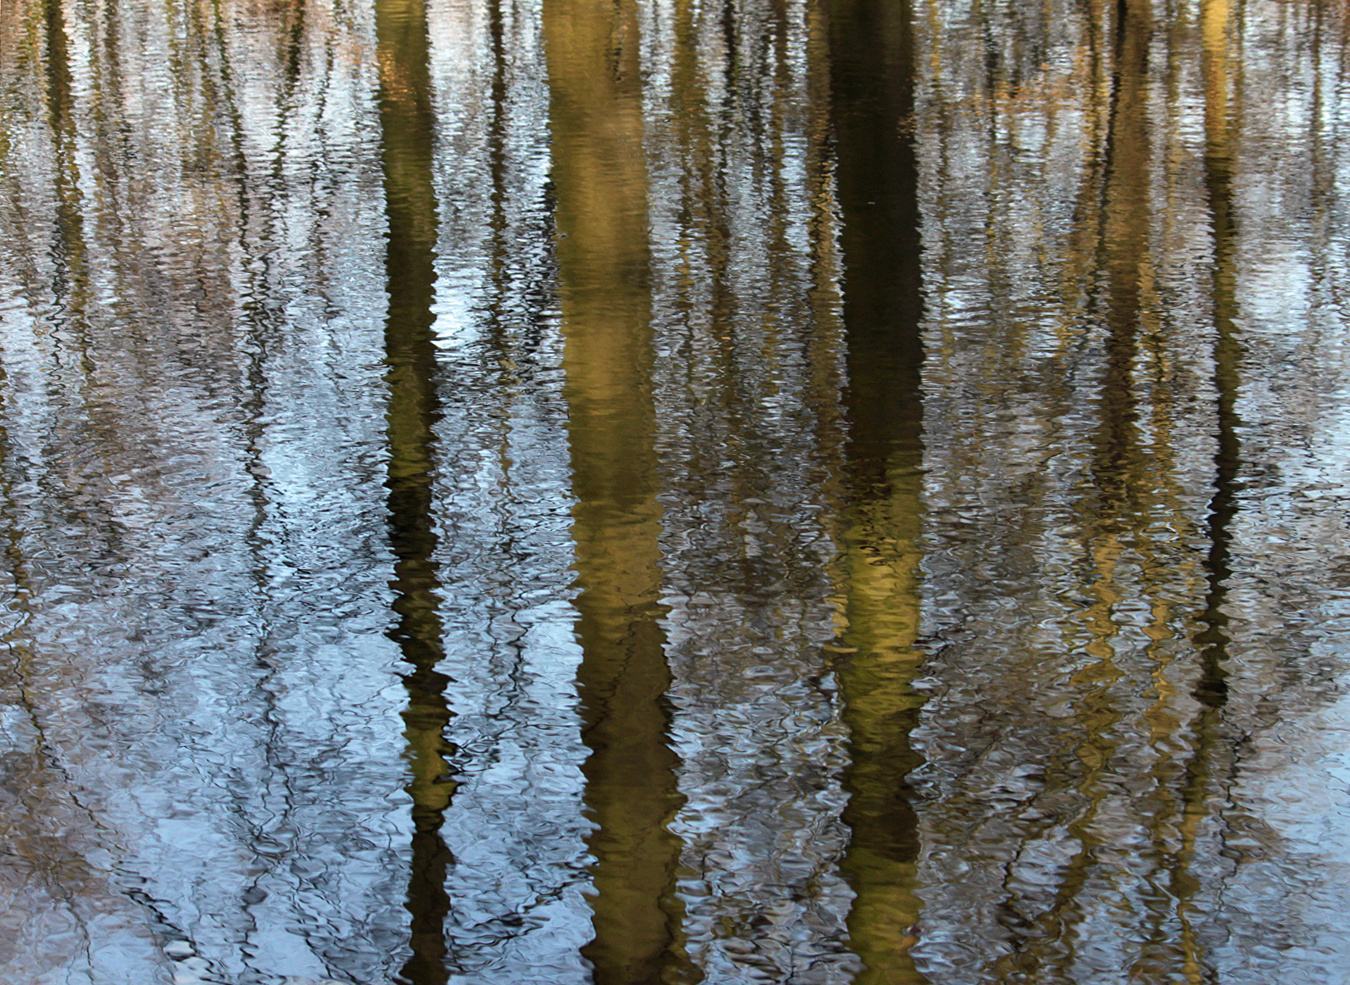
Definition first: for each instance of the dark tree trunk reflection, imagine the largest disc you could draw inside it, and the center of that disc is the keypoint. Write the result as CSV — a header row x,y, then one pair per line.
x,y
872,67
407,127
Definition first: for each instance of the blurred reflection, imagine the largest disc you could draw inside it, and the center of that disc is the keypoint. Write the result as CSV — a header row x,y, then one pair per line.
x,y
872,67
70,283
600,187
406,126
1215,20
747,332
1213,752
864,487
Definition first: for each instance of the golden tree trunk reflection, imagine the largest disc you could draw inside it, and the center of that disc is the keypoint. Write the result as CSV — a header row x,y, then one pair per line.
x,y
600,185
872,87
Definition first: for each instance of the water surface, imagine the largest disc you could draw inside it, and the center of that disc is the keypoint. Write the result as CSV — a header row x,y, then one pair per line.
x,y
666,492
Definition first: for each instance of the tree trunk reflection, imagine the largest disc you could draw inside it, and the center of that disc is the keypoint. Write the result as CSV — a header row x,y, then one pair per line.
x,y
599,178
872,87
407,126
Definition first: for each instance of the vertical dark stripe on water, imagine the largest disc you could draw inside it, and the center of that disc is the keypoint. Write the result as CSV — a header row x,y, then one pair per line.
x,y
1207,741
600,184
872,94
872,70
407,127
498,166
1212,688
60,101
1125,250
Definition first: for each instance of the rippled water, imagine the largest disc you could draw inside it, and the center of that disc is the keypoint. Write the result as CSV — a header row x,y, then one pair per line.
x,y
787,491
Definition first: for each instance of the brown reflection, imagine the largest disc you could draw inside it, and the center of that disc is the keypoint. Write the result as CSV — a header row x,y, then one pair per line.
x,y
825,341
1210,746
1112,520
406,124
1215,19
600,183
75,222
871,51
70,283
1125,254
1086,232
704,211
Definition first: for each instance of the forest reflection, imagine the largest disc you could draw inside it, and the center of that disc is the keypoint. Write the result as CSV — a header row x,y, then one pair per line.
x,y
672,492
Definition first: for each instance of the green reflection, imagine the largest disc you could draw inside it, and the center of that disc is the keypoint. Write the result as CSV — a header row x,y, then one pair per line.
x,y
407,126
871,51
600,184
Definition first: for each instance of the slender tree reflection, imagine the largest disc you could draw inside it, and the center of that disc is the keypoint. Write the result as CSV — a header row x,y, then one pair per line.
x,y
1212,752
600,184
68,249
1215,18
1117,470
407,124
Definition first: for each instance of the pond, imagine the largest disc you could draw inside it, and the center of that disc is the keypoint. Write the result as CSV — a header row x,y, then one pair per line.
x,y
663,491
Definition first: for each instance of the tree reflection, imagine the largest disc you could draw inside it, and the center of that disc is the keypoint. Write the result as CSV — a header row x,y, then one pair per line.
x,y
1212,754
599,178
407,126
872,88
1090,437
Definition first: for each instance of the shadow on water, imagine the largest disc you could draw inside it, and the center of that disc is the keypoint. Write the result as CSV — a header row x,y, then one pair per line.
x,y
407,127
872,65
600,184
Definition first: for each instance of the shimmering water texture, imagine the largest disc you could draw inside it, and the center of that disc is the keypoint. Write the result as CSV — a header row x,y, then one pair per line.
x,y
651,492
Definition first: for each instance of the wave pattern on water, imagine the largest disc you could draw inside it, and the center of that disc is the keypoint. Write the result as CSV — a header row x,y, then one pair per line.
x,y
668,492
